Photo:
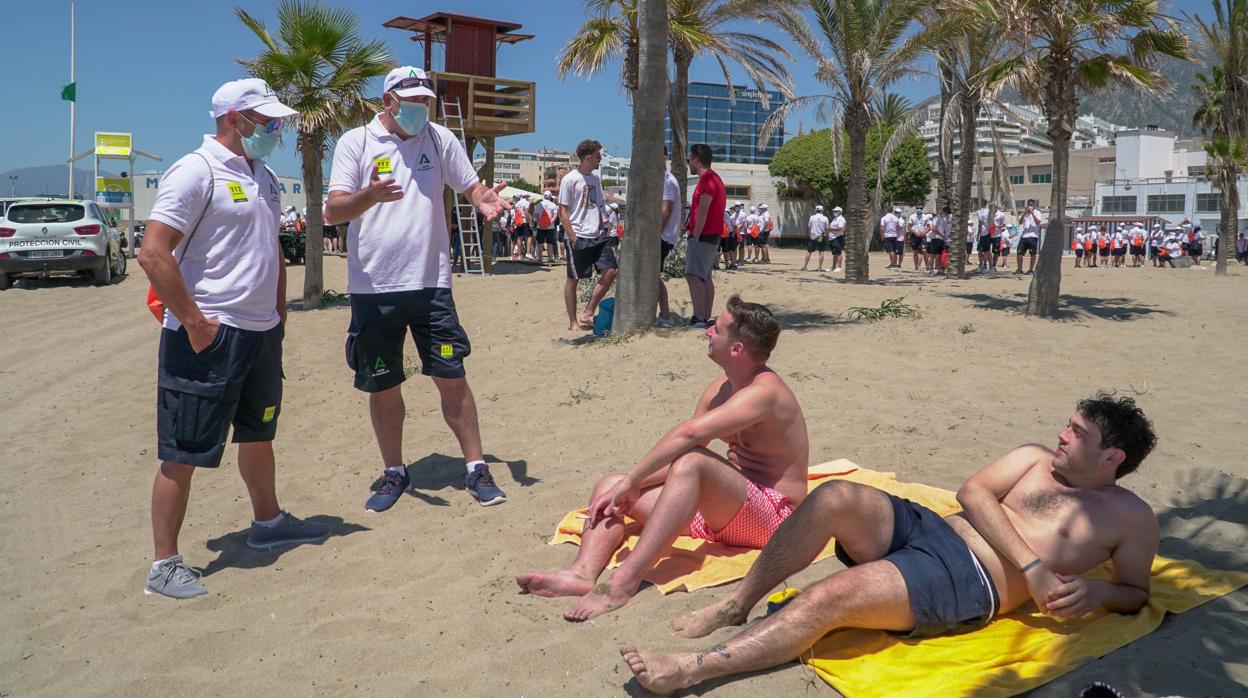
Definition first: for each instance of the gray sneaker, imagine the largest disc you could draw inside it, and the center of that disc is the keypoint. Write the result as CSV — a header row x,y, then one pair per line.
x,y
175,579
288,532
480,483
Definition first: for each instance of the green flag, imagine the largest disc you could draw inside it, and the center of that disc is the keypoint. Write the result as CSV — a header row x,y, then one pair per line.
x,y
69,93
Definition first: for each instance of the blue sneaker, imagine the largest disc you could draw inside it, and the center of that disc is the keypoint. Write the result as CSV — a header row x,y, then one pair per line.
x,y
387,490
289,531
481,484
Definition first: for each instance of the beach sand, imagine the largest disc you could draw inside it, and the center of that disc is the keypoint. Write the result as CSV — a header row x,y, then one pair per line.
x,y
421,600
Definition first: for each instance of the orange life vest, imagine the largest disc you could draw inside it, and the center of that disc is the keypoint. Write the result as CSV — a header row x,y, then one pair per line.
x,y
545,221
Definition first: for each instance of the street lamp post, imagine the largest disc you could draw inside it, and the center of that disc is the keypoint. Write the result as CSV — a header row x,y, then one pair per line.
x,y
13,185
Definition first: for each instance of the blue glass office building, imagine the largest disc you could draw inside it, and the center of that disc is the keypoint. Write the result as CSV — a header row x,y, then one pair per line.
x,y
730,129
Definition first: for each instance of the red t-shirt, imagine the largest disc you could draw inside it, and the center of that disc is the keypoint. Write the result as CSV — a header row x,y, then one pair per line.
x,y
713,229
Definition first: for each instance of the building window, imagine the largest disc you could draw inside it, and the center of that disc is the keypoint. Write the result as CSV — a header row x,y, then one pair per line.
x,y
1209,202
1040,178
1197,172
736,192
1016,179
1118,204
1166,203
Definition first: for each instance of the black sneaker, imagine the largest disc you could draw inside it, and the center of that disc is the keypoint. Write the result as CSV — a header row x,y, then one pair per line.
x,y
386,490
481,484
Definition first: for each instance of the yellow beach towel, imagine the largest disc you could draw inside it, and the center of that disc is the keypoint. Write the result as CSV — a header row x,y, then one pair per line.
x,y
694,564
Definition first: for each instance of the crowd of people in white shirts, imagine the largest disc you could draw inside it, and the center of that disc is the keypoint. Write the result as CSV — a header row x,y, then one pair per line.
x,y
1102,247
749,235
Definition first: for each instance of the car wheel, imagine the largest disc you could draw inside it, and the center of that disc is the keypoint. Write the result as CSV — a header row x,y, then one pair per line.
x,y
6,282
121,265
104,274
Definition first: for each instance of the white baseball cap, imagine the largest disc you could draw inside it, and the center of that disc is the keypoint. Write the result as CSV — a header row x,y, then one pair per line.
x,y
753,210
615,206
547,194
409,81
762,205
837,209
818,208
251,93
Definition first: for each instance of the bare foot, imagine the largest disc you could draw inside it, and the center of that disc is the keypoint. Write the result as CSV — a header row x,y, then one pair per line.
x,y
703,622
554,584
601,599
658,673
574,327
586,321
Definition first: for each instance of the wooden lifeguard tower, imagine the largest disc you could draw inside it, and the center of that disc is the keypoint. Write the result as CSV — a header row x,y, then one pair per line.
x,y
469,93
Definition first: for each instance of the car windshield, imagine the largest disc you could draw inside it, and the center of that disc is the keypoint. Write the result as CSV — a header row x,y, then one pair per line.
x,y
45,213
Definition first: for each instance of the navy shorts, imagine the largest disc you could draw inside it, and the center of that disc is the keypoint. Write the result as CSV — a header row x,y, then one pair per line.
x,y
918,242
545,236
1137,250
586,255
949,589
665,248
988,244
1195,250
1078,251
379,326
1028,245
836,245
728,244
935,246
819,245
235,380
894,245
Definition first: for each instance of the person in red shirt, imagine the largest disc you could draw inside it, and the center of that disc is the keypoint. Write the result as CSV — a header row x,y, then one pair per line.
x,y
706,228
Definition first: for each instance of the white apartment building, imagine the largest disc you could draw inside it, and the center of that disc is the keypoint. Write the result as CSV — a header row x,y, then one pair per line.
x,y
513,164
1156,174
1022,129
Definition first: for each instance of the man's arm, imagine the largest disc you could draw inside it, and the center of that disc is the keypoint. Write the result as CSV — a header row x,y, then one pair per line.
x,y
667,213
704,207
156,259
487,202
343,206
981,497
281,282
1127,589
567,224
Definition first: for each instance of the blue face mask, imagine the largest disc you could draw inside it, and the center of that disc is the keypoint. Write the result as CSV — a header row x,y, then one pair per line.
x,y
260,144
411,117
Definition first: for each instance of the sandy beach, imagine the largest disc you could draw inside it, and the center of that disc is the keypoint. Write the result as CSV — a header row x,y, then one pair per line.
x,y
421,600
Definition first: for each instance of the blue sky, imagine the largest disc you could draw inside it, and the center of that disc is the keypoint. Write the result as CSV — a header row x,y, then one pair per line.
x,y
151,67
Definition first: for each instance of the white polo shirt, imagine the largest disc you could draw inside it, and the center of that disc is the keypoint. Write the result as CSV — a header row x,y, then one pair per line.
x,y
817,226
400,245
891,224
552,214
837,227
233,261
1031,224
671,192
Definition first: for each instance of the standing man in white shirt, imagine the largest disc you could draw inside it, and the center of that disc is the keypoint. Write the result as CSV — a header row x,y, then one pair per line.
x,y
1077,244
1155,237
387,181
919,224
836,238
1000,238
765,226
891,236
1195,245
1029,242
583,210
546,216
212,254
937,242
817,231
669,216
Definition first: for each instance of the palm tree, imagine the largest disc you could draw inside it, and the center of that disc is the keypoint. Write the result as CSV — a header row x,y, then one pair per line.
x,y
891,109
1066,47
699,28
320,66
1223,113
695,28
638,291
860,48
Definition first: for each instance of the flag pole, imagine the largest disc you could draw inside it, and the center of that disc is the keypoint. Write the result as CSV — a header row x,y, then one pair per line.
x,y
73,103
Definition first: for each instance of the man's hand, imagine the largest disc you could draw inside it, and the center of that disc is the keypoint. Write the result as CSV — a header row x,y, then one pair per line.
x,y
1041,583
203,334
616,502
379,190
488,201
1075,597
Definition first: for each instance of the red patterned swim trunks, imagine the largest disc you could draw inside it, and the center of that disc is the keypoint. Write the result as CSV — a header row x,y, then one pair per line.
x,y
761,514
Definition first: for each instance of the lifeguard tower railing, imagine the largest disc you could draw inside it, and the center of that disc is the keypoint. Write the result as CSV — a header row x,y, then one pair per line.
x,y
491,106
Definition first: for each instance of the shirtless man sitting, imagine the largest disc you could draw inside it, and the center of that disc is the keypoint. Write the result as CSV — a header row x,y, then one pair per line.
x,y
682,488
1033,523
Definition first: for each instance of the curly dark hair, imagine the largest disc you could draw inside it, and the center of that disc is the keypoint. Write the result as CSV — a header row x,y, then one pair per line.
x,y
586,148
1123,426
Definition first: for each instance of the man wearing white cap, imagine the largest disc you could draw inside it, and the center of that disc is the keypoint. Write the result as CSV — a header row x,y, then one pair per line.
x,y
212,254
546,213
387,181
817,232
836,237
892,237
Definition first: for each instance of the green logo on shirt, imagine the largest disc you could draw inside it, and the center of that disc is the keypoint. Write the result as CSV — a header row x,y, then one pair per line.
x,y
424,165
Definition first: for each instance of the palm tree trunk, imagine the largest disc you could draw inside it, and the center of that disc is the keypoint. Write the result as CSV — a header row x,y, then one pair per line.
x,y
312,148
1060,104
679,112
944,159
1230,219
638,290
857,235
968,157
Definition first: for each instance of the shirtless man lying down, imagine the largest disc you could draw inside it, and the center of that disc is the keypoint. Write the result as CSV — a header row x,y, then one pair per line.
x,y
1033,523
682,488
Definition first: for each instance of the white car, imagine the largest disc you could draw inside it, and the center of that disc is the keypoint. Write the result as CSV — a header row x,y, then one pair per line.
x,y
59,236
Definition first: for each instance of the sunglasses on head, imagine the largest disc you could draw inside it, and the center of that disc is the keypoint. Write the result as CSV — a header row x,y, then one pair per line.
x,y
407,83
